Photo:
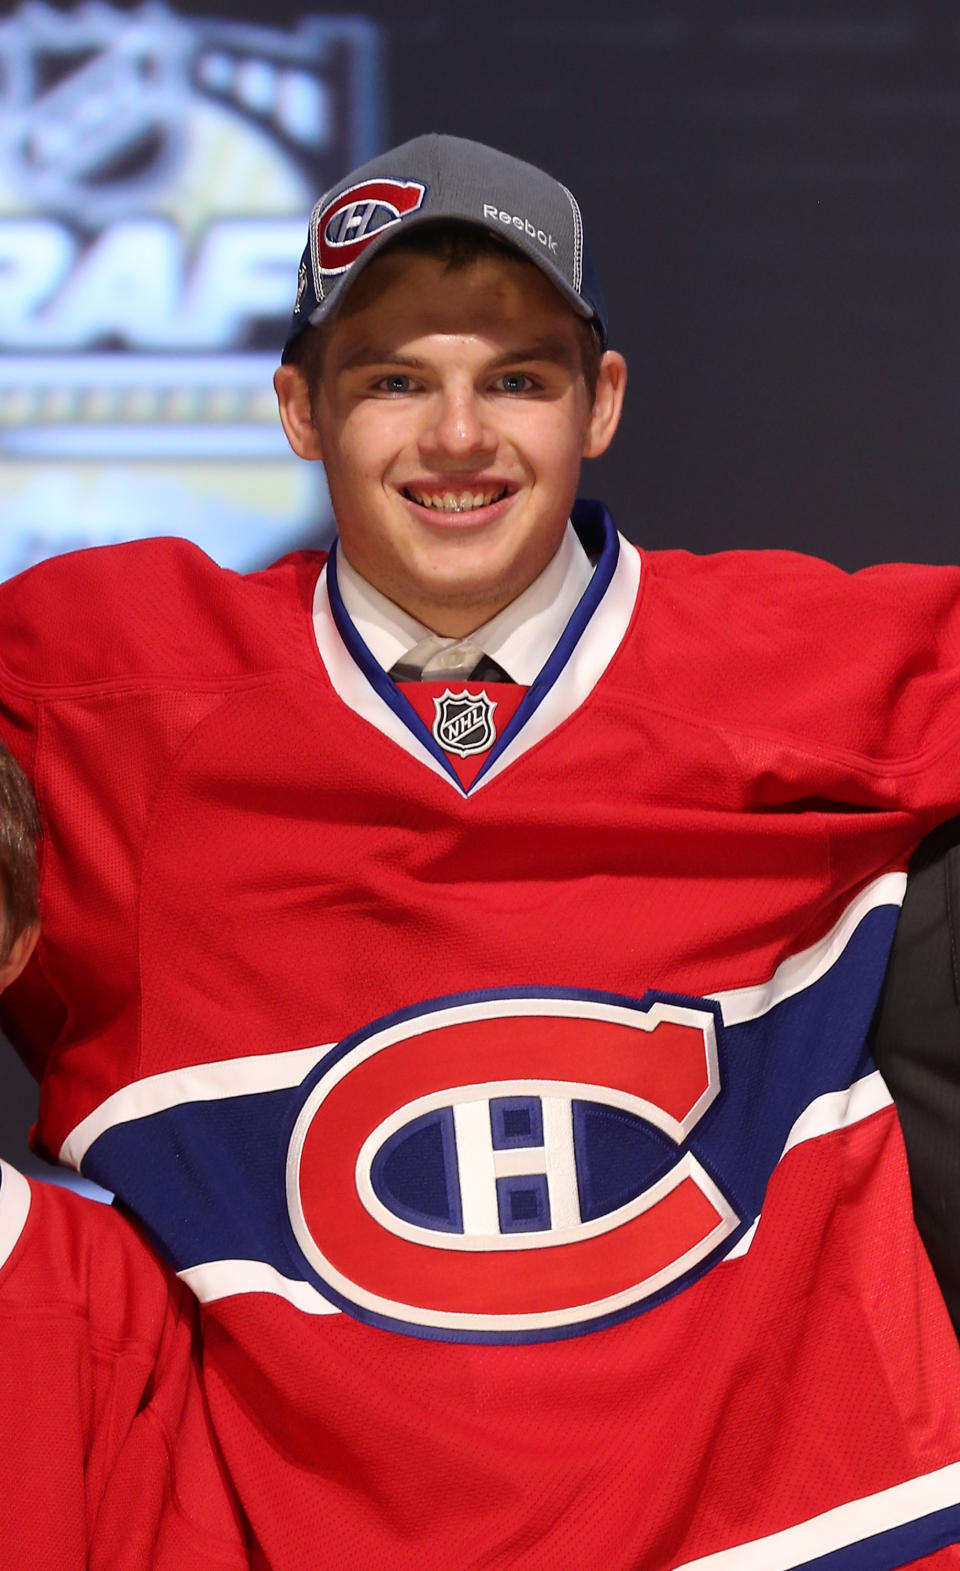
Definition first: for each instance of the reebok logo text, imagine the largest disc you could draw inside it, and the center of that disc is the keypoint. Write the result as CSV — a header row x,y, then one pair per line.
x,y
490,210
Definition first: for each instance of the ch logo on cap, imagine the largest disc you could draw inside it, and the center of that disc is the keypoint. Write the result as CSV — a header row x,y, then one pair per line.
x,y
347,225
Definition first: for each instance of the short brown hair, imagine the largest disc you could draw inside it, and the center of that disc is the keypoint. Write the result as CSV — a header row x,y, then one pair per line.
x,y
458,246
19,831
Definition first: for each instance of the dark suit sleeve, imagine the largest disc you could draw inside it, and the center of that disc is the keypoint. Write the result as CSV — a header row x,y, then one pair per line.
x,y
917,1048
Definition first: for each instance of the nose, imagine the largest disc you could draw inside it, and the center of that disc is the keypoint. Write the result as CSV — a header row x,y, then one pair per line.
x,y
456,426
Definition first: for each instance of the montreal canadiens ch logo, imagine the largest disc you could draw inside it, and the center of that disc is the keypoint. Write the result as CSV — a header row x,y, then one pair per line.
x,y
463,722
509,1167
346,226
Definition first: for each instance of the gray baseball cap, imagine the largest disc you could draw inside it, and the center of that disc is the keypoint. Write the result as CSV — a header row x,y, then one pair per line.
x,y
443,179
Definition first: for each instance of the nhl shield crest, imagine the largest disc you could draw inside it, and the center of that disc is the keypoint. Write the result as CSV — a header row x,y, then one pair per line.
x,y
463,723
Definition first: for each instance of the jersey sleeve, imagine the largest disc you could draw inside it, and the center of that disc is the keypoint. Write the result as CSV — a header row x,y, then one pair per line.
x,y
848,683
108,660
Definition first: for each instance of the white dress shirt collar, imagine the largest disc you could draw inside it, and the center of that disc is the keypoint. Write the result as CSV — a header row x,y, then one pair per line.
x,y
520,638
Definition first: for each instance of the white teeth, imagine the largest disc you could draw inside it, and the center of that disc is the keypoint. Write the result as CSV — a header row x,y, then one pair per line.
x,y
456,501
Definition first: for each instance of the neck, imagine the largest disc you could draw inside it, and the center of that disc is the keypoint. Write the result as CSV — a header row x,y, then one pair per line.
x,y
448,619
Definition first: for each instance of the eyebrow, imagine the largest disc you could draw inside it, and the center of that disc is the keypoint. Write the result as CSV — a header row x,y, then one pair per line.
x,y
550,348
373,354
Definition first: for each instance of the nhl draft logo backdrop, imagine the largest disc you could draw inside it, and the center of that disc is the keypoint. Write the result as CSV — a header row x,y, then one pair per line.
x,y
156,179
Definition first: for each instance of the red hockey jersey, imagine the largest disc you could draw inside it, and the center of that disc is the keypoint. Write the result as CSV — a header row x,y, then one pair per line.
x,y
515,1125
108,1459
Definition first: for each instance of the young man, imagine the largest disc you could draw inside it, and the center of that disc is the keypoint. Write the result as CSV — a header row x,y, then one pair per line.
x,y
108,1461
460,952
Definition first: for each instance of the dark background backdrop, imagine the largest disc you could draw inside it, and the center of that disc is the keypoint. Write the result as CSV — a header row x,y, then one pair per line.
x,y
771,191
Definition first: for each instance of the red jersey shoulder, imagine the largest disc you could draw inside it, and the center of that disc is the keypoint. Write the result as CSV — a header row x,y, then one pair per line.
x,y
70,1254
866,664
153,610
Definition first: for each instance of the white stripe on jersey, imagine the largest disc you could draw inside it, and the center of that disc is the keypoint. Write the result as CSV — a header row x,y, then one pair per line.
x,y
226,1278
841,1527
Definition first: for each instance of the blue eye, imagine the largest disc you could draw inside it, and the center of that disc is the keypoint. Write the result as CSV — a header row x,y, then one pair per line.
x,y
397,383
515,382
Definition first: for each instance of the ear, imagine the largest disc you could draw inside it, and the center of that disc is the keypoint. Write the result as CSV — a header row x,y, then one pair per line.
x,y
21,950
293,397
607,404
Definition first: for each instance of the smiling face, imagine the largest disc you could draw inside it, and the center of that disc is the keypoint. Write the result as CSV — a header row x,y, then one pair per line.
x,y
451,416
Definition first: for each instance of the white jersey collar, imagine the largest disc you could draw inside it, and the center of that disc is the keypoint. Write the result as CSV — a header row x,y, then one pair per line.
x,y
573,667
521,637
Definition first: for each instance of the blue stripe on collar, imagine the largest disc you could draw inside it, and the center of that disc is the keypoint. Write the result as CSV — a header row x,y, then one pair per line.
x,y
594,527
377,676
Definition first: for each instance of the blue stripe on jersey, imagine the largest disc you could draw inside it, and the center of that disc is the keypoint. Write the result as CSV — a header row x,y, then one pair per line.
x,y
598,534
208,1178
